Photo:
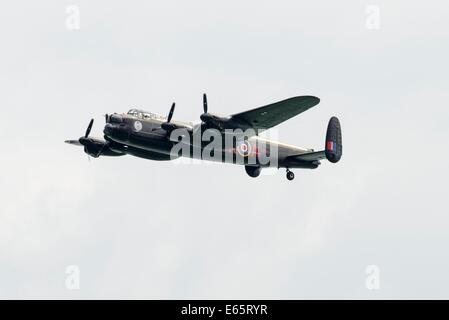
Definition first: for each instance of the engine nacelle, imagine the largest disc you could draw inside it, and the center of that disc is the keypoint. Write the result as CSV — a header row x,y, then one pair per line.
x,y
96,148
253,172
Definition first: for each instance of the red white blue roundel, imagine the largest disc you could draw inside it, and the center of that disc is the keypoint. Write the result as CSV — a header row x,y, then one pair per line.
x,y
331,146
244,148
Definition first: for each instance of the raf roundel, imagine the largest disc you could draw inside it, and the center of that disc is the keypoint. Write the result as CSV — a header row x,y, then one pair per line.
x,y
244,148
138,126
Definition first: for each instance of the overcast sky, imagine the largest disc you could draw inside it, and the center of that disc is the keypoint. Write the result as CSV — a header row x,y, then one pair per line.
x,y
144,229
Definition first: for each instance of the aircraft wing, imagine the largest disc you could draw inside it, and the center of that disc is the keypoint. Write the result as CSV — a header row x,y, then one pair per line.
x,y
273,114
309,156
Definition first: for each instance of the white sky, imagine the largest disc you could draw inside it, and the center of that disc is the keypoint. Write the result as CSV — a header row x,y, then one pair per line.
x,y
143,229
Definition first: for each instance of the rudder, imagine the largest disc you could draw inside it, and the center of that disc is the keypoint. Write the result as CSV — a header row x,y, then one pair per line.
x,y
333,148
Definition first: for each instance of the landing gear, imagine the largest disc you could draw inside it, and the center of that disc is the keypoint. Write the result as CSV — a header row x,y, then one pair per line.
x,y
290,175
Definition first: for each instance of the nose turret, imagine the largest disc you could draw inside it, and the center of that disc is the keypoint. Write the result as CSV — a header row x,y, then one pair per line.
x,y
116,131
115,118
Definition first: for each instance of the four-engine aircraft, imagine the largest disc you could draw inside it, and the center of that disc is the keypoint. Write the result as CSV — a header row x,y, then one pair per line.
x,y
234,139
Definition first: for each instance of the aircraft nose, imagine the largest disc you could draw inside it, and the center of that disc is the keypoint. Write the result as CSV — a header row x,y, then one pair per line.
x,y
108,129
117,131
115,118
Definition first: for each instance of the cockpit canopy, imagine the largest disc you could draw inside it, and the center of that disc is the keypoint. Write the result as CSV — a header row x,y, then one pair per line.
x,y
146,115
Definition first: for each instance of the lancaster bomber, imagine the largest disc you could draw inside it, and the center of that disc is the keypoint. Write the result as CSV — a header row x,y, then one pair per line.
x,y
229,139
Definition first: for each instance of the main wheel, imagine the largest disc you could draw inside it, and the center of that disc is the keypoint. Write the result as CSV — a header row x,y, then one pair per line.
x,y
290,175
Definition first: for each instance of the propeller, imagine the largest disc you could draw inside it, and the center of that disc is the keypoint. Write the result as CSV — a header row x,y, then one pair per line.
x,y
92,147
74,142
205,103
167,126
210,120
83,140
170,114
89,127
206,117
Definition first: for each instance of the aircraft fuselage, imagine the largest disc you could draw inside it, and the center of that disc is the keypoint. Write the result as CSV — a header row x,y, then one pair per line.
x,y
145,138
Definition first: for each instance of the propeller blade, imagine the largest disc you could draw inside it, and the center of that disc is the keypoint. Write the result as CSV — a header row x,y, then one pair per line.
x,y
106,117
102,148
170,114
74,142
89,127
205,102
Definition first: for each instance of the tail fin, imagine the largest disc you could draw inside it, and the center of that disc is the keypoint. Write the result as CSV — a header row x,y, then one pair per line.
x,y
334,147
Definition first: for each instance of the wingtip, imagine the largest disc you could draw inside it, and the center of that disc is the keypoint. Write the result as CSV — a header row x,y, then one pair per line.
x,y
314,98
309,99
